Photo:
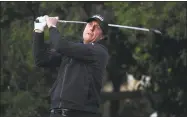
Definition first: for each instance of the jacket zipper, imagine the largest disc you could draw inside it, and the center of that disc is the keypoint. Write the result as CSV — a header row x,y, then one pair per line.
x,y
66,67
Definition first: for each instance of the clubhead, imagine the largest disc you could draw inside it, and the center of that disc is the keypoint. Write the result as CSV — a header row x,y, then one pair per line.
x,y
155,31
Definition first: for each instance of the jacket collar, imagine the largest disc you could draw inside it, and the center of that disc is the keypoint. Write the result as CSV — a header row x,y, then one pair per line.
x,y
100,41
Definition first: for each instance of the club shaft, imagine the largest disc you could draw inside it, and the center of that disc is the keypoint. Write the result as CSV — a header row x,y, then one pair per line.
x,y
111,25
77,22
129,27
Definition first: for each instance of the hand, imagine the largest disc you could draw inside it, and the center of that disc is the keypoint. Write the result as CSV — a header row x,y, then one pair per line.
x,y
51,21
40,25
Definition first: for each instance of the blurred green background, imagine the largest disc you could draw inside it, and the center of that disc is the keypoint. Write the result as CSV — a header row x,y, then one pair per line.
x,y
24,87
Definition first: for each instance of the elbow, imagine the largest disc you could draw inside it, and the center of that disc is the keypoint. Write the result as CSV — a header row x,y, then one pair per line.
x,y
39,63
39,60
57,48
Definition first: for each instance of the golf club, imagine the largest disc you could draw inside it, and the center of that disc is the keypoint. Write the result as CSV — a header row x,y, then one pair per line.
x,y
114,25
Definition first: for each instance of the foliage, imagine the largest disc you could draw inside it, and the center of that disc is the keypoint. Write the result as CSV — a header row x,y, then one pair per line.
x,y
24,87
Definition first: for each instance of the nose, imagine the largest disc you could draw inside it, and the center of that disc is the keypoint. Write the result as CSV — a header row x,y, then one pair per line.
x,y
92,28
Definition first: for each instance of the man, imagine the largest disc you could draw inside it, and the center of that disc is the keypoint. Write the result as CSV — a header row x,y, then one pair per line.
x,y
76,92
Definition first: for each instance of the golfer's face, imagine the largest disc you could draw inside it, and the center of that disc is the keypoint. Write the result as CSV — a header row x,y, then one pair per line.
x,y
92,32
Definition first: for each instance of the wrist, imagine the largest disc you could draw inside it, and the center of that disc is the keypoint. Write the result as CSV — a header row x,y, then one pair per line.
x,y
51,26
38,31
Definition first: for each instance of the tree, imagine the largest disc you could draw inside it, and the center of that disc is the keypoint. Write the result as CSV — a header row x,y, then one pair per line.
x,y
164,57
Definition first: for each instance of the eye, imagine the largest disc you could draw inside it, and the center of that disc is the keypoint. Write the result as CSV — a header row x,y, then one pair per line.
x,y
98,27
90,23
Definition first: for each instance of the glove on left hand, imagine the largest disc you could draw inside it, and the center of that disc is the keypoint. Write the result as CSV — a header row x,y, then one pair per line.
x,y
40,23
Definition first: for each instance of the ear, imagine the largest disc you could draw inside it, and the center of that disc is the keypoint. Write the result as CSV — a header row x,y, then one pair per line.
x,y
102,37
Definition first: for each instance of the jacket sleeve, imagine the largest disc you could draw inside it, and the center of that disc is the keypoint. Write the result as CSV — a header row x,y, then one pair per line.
x,y
43,55
86,52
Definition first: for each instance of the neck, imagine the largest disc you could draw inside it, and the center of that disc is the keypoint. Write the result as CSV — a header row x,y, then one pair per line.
x,y
87,42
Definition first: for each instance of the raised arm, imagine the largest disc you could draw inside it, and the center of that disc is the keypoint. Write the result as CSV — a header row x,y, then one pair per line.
x,y
43,55
86,52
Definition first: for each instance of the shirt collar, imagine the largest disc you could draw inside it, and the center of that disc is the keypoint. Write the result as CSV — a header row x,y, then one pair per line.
x,y
100,42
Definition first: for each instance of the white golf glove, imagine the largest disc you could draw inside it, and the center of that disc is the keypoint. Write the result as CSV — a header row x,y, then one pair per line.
x,y
40,23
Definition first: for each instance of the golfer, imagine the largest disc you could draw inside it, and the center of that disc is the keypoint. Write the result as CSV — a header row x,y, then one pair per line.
x,y
76,91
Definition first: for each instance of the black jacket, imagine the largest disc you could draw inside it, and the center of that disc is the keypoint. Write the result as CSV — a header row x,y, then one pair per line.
x,y
81,68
